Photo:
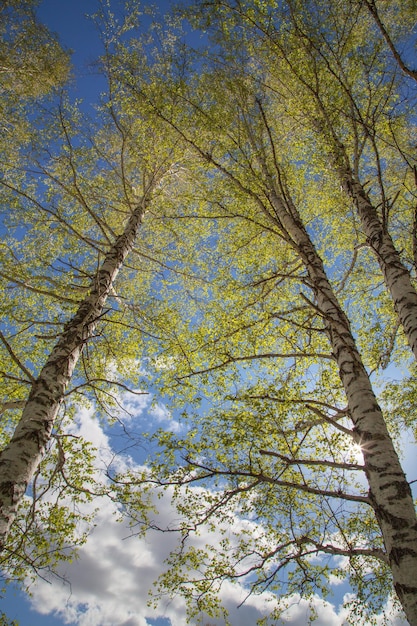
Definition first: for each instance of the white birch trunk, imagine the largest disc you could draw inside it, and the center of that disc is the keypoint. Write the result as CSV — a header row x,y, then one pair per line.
x,y
21,457
389,491
396,275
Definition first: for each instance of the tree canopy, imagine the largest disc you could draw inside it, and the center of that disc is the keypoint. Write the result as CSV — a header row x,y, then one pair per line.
x,y
241,218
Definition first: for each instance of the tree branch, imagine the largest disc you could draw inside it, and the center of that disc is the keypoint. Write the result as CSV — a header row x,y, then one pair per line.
x,y
16,359
288,461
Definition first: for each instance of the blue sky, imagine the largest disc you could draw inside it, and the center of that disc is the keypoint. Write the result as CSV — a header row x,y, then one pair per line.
x,y
69,19
109,583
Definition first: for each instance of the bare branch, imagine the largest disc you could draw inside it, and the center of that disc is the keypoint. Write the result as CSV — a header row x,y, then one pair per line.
x,y
16,359
254,357
15,404
44,292
371,6
311,462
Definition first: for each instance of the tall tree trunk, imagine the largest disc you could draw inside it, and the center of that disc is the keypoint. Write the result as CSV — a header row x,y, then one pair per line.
x,y
389,490
396,275
21,457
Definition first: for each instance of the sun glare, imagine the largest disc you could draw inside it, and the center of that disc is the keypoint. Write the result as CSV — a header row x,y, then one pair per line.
x,y
355,453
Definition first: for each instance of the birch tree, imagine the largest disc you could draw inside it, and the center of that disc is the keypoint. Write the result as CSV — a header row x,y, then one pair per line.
x,y
357,139
78,203
275,304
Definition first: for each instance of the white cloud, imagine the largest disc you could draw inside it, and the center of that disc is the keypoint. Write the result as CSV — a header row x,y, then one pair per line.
x,y
134,405
163,417
300,610
139,407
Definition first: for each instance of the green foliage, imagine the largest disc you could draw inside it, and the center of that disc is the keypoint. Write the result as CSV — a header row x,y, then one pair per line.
x,y
33,66
32,61
54,519
4,621
217,298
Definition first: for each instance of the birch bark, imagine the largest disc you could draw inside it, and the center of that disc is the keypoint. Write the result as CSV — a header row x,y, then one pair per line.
x,y
389,490
396,276
21,457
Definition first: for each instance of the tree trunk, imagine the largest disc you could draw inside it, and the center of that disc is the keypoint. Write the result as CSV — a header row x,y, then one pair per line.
x,y
389,490
396,276
21,457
